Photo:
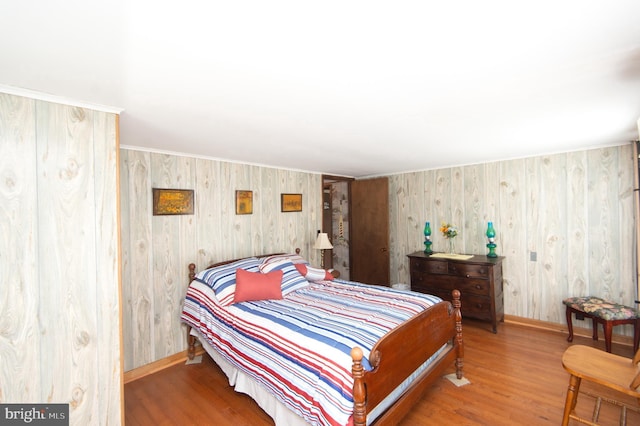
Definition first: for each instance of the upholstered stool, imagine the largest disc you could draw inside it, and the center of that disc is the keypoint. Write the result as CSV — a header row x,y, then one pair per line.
x,y
609,314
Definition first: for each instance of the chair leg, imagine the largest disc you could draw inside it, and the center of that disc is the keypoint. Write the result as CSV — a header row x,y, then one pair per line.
x,y
636,335
608,331
569,324
572,399
594,322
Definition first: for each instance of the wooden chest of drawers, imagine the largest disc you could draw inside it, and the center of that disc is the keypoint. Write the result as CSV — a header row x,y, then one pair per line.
x,y
478,279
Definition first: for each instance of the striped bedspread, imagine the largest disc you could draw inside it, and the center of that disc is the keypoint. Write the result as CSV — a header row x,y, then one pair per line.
x,y
299,347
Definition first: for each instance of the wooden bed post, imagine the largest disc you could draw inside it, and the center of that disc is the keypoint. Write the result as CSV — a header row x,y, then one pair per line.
x,y
191,340
458,318
359,411
192,271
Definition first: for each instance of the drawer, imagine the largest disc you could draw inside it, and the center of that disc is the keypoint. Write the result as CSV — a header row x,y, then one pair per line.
x,y
477,286
419,266
443,293
475,307
431,281
468,270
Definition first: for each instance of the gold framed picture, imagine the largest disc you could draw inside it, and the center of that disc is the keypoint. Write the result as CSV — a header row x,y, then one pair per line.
x,y
291,202
172,201
244,202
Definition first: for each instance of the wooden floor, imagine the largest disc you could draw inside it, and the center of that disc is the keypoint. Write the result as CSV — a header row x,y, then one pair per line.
x,y
516,378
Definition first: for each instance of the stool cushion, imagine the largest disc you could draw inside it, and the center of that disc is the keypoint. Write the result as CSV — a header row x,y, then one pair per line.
x,y
601,308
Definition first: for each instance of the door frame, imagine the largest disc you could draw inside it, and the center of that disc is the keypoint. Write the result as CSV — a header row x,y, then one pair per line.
x,y
327,180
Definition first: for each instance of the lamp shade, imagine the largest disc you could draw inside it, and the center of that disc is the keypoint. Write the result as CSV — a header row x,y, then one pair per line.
x,y
322,242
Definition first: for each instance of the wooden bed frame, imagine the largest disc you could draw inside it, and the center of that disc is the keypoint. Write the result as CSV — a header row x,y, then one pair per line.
x,y
396,356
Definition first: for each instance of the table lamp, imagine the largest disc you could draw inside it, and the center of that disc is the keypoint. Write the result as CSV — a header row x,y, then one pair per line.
x,y
322,244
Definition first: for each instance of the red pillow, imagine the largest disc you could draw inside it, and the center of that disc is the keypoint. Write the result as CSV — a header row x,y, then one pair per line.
x,y
257,286
313,274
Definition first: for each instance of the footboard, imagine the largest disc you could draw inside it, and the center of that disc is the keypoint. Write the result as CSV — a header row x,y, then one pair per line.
x,y
400,352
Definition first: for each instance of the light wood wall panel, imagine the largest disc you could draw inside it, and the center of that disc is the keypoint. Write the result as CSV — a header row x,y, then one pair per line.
x,y
207,208
577,230
269,209
511,221
474,204
573,210
136,246
20,331
406,202
626,212
173,244
64,191
603,222
157,249
109,397
64,179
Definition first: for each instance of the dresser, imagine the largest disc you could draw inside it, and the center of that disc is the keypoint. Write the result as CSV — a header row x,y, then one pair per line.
x,y
479,280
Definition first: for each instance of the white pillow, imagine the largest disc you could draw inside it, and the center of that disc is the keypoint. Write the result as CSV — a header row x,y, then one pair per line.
x,y
292,280
222,279
314,274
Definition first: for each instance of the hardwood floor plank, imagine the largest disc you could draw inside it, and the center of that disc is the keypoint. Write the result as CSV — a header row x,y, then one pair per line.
x,y
516,377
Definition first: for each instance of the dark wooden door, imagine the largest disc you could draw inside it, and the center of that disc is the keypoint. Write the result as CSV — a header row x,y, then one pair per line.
x,y
369,233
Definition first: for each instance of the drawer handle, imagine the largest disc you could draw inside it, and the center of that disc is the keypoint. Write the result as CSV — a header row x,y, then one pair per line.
x,y
479,305
468,276
478,286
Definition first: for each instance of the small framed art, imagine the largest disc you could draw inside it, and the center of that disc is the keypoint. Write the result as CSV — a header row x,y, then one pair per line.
x,y
172,201
291,202
244,202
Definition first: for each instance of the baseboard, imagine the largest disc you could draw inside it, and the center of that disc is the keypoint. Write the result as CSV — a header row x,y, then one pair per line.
x,y
161,364
562,328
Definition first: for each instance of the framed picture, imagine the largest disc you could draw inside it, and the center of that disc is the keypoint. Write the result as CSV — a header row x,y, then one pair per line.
x,y
291,202
172,201
244,202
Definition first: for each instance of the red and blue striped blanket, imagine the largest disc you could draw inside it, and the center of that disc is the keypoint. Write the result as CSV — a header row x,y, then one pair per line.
x,y
299,347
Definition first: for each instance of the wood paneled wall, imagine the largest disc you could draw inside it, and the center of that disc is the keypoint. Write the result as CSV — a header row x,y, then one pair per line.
x,y
59,259
157,249
573,210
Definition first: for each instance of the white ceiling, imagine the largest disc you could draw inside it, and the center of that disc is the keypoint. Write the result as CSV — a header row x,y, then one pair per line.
x,y
354,88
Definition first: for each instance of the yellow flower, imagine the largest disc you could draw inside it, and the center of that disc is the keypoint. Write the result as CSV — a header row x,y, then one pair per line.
x,y
448,230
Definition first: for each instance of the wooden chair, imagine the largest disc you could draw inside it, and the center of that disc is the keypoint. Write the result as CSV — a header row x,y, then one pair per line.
x,y
606,369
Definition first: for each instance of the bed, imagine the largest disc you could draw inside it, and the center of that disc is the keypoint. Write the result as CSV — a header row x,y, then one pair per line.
x,y
319,350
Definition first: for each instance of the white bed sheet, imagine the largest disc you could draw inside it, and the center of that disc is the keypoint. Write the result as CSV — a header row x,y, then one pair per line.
x,y
243,383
